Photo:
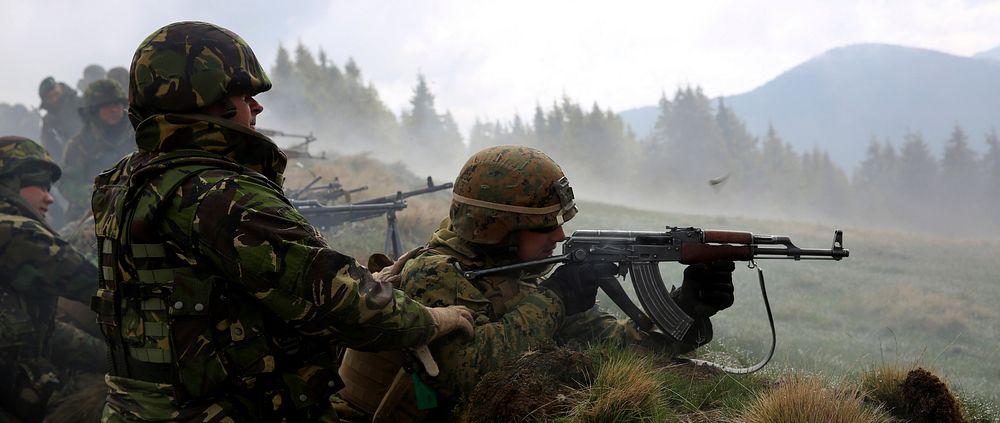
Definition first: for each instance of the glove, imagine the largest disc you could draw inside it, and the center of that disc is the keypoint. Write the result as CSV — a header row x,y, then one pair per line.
x,y
707,288
451,318
576,284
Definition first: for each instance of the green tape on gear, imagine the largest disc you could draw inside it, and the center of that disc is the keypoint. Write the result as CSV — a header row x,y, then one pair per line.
x,y
426,397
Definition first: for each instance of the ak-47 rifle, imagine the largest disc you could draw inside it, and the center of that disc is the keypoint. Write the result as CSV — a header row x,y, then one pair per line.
x,y
326,216
640,252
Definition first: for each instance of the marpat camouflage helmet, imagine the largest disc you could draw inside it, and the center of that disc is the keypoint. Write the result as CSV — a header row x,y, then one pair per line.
x,y
101,92
185,66
19,155
508,188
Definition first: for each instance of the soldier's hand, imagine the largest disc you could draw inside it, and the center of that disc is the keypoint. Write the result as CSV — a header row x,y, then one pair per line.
x,y
576,284
707,288
451,318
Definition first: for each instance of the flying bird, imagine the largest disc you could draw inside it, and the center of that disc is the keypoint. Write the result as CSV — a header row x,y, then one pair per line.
x,y
717,182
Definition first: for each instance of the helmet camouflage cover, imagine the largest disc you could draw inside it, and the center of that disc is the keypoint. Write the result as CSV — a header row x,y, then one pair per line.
x,y
185,66
507,188
101,92
19,155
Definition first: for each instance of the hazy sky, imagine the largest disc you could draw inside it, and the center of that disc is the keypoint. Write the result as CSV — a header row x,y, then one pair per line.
x,y
490,58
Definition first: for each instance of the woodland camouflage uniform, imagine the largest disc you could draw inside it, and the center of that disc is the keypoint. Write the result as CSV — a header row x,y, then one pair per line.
x,y
37,352
513,313
96,147
62,120
219,301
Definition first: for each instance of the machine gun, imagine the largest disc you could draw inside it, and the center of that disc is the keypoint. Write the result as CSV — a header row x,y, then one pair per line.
x,y
640,252
325,194
327,216
404,195
296,151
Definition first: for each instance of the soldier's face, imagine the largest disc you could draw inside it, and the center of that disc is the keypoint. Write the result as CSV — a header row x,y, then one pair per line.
x,y
52,97
247,109
111,114
538,243
38,197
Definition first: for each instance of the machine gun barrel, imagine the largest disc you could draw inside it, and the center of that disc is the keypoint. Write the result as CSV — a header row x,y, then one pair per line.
x,y
324,216
401,195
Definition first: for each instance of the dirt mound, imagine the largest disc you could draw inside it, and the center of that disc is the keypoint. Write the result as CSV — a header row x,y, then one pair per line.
x,y
928,399
537,385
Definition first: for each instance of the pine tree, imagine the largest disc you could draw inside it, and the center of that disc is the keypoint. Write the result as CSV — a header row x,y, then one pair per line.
x,y
433,140
918,177
991,168
282,69
344,113
960,180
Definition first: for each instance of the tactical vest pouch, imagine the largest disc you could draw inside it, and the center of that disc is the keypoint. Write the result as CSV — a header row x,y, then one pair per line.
x,y
190,331
377,384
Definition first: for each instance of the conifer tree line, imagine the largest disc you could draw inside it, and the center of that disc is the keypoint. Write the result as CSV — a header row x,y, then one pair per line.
x,y
311,93
699,158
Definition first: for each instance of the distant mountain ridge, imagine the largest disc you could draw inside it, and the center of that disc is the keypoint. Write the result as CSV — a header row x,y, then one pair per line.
x,y
841,98
991,54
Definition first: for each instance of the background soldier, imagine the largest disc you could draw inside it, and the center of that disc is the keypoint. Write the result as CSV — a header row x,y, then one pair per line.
x,y
37,353
508,207
105,138
91,73
119,75
219,301
61,120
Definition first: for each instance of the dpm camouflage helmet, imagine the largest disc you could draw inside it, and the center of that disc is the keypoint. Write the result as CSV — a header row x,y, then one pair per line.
x,y
101,92
185,66
19,155
508,188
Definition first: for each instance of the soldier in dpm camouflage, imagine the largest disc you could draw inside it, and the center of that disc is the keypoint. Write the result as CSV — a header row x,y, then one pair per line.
x,y
509,205
218,300
105,138
61,120
37,352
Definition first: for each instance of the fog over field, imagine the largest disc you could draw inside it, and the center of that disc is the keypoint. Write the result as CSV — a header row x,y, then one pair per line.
x,y
396,91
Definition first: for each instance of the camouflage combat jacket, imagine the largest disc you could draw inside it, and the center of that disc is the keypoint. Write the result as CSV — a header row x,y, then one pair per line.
x,y
513,314
219,300
36,267
61,122
94,149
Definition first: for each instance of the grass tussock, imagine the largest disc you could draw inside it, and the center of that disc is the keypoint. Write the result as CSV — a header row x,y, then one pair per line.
x,y
881,385
800,399
626,389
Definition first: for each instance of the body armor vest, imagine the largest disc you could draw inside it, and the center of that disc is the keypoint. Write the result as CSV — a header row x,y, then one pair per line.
x,y
169,318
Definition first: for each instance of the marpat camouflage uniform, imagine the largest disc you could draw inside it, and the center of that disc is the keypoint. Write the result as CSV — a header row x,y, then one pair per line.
x,y
513,314
37,353
219,301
